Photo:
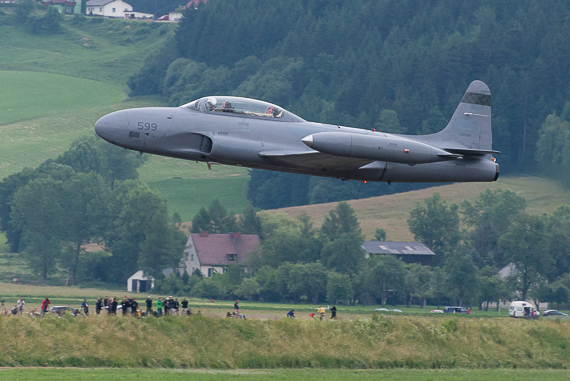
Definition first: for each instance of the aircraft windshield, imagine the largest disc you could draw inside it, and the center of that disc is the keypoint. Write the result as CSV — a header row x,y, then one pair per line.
x,y
236,105
243,106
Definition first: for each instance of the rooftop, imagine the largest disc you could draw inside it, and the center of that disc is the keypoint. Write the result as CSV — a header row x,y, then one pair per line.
x,y
399,248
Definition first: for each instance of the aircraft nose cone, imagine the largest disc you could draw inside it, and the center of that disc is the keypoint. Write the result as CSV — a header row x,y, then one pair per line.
x,y
113,127
308,140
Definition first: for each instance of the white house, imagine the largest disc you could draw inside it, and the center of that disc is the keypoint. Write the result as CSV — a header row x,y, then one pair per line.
x,y
108,8
140,283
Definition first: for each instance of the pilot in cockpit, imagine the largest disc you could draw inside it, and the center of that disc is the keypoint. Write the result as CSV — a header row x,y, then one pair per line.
x,y
227,107
275,112
211,103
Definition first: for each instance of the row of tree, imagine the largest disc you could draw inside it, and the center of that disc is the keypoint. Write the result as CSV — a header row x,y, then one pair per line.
x,y
298,262
89,195
394,65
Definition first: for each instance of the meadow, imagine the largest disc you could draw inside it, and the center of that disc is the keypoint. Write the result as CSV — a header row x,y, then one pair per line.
x,y
76,374
55,87
391,212
379,342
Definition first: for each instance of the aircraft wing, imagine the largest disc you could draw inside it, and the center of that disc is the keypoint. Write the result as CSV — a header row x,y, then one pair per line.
x,y
315,160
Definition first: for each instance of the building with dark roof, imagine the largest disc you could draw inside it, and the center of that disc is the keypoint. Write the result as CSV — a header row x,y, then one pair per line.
x,y
409,252
215,252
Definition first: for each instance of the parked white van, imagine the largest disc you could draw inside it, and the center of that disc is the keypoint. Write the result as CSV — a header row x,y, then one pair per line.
x,y
522,309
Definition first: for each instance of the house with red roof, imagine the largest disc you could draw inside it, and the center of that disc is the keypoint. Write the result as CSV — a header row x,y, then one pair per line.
x,y
213,253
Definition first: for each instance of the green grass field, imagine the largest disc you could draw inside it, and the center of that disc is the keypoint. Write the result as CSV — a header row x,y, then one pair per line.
x,y
107,50
282,375
380,342
28,95
187,196
53,88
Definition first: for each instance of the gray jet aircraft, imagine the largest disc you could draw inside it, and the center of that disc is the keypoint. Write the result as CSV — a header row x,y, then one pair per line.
x,y
250,133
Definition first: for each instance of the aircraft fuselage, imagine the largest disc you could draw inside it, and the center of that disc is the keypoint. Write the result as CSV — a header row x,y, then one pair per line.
x,y
287,143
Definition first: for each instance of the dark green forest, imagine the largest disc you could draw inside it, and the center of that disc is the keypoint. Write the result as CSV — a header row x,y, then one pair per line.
x,y
398,66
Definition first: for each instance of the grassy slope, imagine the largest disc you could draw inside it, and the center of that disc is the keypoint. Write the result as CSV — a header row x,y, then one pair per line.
x,y
101,49
380,342
41,113
391,212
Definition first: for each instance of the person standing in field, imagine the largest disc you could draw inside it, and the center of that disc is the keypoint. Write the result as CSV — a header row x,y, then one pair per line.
x,y
85,307
236,305
321,312
333,312
124,305
98,306
159,307
134,306
166,306
113,306
184,307
21,306
45,305
148,305
176,306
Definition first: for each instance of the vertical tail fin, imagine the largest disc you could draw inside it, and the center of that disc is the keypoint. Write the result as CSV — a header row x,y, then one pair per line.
x,y
470,125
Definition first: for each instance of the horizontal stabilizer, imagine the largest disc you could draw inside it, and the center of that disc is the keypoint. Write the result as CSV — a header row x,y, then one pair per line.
x,y
470,152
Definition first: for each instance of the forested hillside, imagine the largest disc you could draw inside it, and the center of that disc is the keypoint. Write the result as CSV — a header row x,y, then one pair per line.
x,y
399,66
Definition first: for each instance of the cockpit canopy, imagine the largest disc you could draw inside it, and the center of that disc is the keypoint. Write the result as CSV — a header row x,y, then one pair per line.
x,y
242,107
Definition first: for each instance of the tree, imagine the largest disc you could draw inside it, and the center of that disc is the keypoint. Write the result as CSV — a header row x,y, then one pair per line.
x,y
418,283
384,275
388,122
51,20
461,276
83,216
439,284
341,220
140,234
308,280
557,241
247,288
344,254
37,212
208,288
249,222
215,220
489,287
436,225
111,162
560,295
380,234
489,217
553,145
523,245
10,186
339,287
25,9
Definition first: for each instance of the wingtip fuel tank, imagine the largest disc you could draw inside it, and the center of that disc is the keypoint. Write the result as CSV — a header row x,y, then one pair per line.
x,y
376,146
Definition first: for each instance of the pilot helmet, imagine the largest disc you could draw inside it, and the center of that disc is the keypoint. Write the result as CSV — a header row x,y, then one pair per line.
x,y
211,103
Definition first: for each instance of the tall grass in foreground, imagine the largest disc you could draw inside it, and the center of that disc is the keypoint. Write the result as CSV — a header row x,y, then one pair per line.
x,y
380,342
